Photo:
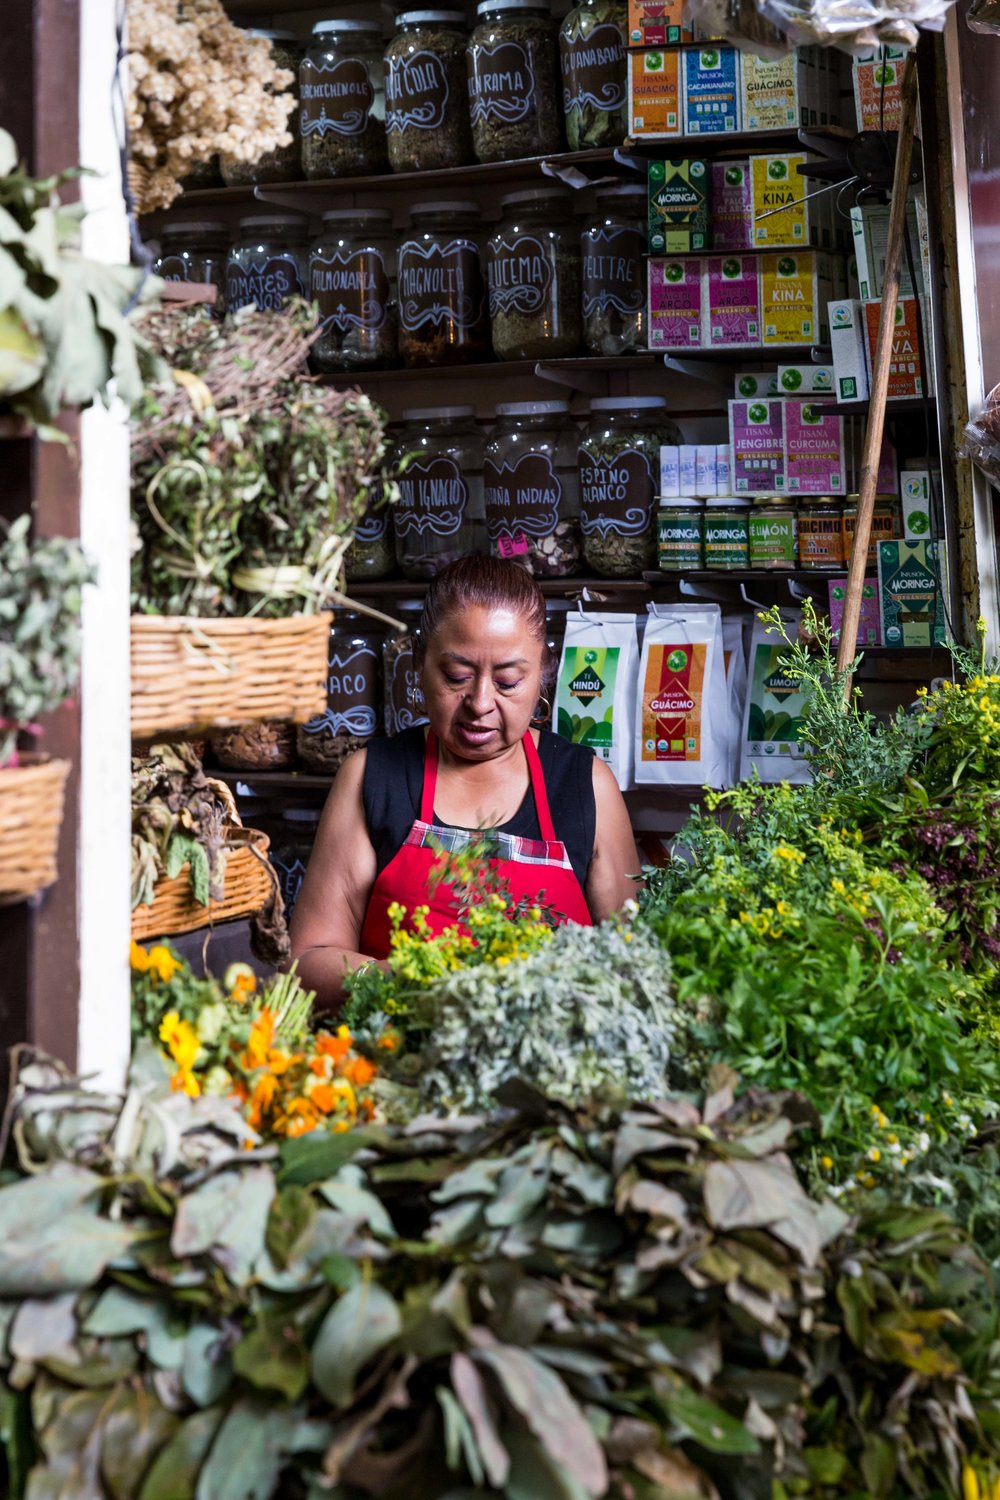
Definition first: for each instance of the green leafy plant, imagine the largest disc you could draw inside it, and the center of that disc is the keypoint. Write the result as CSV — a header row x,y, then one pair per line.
x,y
179,817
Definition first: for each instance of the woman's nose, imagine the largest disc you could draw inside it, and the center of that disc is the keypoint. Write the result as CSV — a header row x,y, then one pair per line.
x,y
480,697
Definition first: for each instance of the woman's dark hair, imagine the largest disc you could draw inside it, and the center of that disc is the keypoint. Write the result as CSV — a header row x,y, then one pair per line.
x,y
490,583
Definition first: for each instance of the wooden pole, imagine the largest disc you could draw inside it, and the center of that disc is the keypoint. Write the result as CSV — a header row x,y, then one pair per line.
x,y
880,373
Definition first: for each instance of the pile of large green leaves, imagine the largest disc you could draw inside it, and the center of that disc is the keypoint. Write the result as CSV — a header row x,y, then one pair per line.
x,y
541,1304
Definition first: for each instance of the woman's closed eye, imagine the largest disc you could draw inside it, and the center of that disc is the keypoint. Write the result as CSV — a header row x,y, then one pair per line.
x,y
508,687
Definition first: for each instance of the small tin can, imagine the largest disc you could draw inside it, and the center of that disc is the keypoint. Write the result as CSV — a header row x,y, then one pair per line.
x,y
680,531
727,533
773,534
821,532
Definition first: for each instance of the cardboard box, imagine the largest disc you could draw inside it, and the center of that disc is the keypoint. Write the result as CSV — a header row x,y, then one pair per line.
x,y
732,205
915,494
657,23
678,195
815,458
848,345
870,236
877,79
757,440
675,303
794,292
806,380
869,620
774,90
782,215
906,375
911,579
731,300
710,91
753,384
653,94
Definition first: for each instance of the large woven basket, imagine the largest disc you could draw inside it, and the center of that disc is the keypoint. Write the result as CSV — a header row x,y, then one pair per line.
x,y
31,811
247,886
198,674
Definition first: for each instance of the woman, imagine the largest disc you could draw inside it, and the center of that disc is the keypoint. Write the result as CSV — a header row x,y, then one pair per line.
x,y
562,829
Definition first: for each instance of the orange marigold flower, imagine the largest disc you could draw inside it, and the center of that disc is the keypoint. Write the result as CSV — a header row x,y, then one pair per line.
x,y
262,1098
279,1062
162,963
138,957
337,1046
259,1043
240,981
359,1071
389,1041
325,1098
184,1082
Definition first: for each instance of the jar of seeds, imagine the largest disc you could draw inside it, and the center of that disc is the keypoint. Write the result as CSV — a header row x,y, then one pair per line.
x,y
370,555
195,252
532,489
614,272
353,711
352,279
619,459
269,262
342,101
592,56
443,318
533,268
440,476
283,163
404,699
513,74
426,93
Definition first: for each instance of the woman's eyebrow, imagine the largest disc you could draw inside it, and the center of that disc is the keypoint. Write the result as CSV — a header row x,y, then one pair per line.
x,y
499,666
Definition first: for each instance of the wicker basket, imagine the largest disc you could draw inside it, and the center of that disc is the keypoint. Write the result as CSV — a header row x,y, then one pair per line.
x,y
248,885
31,810
199,674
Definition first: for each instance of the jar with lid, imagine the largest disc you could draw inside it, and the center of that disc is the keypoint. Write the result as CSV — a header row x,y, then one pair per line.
x,y
342,101
821,532
443,317
268,262
887,524
352,280
353,711
513,93
773,533
532,489
370,555
533,268
291,849
680,534
283,164
592,58
426,92
727,533
404,699
195,252
439,457
612,247
619,458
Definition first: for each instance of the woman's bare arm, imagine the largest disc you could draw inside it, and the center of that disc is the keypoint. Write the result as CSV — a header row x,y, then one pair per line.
x,y
330,910
615,862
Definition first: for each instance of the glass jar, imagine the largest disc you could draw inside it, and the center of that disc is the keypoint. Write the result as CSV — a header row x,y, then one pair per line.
x,y
195,252
352,279
532,489
680,534
404,699
887,524
426,92
773,534
267,745
619,458
268,262
291,849
342,101
513,95
821,532
613,278
533,268
443,317
592,59
727,533
439,453
283,164
370,555
354,694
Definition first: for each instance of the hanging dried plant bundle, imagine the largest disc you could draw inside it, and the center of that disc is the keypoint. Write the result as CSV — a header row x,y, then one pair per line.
x,y
197,85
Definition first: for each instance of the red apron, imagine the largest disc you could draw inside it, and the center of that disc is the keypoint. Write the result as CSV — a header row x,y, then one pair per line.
x,y
535,869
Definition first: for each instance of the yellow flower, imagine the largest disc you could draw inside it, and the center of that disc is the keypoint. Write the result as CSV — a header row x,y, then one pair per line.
x,y
138,957
826,1162
180,1039
163,963
794,856
874,1154
184,1082
259,1042
970,1483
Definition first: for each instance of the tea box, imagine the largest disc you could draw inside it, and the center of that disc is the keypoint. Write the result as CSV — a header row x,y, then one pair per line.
x,y
732,205
906,374
915,494
751,383
805,380
732,302
848,347
675,303
815,460
710,90
653,94
911,592
757,441
782,213
870,233
794,292
869,620
657,23
878,78
678,203
774,90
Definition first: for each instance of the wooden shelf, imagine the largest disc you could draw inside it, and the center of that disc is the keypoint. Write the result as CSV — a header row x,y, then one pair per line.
x,y
274,781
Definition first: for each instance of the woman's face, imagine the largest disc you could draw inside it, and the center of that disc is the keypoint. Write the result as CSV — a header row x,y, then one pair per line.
x,y
481,680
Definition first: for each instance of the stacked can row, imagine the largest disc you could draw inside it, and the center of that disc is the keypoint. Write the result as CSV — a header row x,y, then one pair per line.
x,y
728,533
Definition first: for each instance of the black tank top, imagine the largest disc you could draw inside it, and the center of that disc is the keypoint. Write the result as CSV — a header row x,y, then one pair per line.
x,y
394,778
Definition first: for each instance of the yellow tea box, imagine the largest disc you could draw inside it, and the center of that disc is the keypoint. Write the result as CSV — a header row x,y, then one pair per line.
x,y
794,292
782,214
773,91
653,94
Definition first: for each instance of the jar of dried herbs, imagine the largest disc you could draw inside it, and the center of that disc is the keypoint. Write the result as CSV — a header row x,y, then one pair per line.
x,y
353,711
265,746
352,280
283,164
404,698
592,56
533,268
370,555
426,93
513,77
443,317
342,100
291,848
614,272
619,468
531,487
440,476
195,252
268,262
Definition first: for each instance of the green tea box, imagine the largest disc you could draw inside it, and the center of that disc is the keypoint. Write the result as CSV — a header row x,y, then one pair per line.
x,y
915,494
678,197
911,593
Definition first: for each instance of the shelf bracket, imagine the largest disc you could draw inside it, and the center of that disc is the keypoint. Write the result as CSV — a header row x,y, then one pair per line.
x,y
575,380
693,369
631,163
280,199
703,591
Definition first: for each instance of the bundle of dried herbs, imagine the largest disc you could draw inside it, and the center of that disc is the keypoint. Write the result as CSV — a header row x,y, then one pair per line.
x,y
248,478
179,817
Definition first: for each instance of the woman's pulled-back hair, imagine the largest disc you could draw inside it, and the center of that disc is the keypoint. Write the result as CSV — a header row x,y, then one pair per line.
x,y
490,583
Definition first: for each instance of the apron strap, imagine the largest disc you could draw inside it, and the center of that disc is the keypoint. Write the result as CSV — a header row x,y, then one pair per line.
x,y
545,824
430,778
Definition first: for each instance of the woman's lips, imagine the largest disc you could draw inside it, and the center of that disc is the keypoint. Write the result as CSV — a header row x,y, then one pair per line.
x,y
474,734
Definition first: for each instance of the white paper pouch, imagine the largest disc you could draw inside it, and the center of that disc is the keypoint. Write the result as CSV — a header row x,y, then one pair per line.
x,y
681,714
775,706
735,660
595,692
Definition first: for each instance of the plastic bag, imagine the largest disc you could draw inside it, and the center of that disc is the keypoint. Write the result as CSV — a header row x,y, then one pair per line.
x,y
775,705
595,692
682,731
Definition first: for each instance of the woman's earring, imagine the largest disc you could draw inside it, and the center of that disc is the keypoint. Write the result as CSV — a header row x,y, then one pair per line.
x,y
542,718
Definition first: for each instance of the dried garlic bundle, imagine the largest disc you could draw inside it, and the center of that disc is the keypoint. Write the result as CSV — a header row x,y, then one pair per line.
x,y
197,85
